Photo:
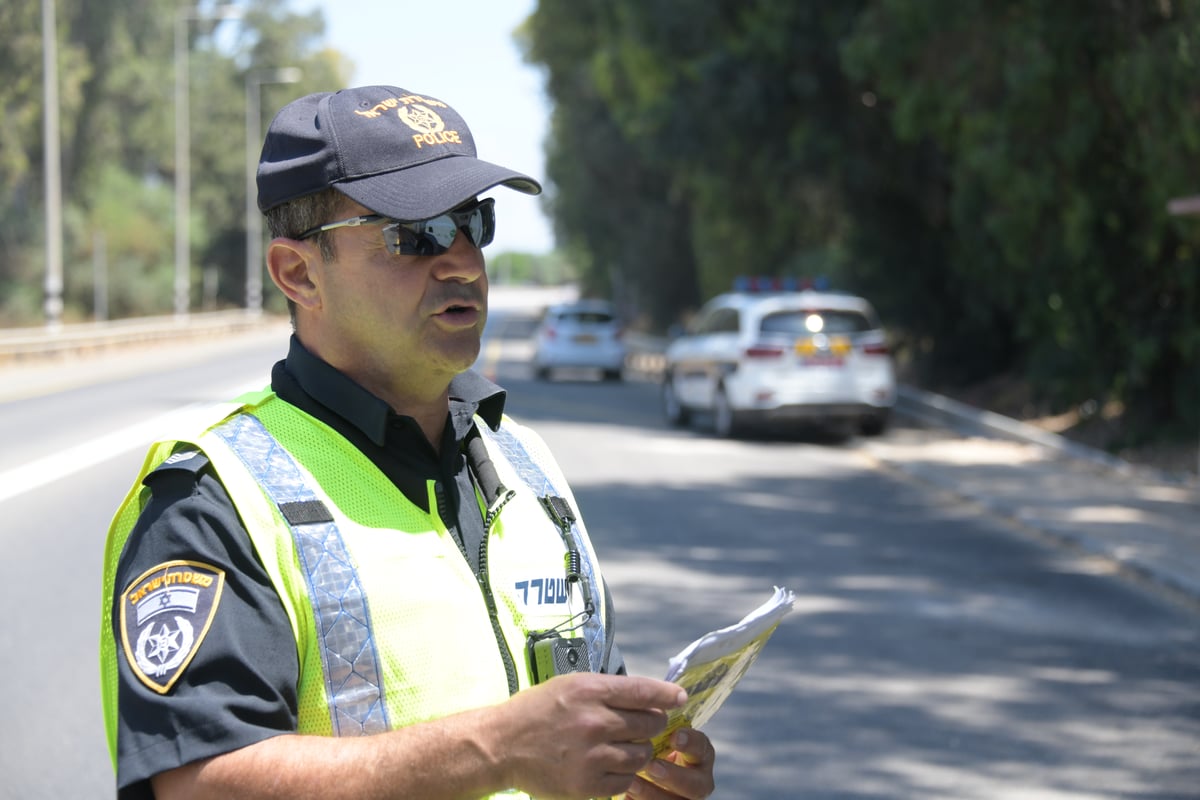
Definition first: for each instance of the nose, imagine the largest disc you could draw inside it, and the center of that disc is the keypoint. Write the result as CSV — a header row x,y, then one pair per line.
x,y
463,262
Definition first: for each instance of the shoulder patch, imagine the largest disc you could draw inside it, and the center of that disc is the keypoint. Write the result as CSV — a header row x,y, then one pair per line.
x,y
190,460
181,464
165,614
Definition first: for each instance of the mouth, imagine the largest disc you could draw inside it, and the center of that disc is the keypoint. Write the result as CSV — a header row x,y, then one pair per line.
x,y
457,307
459,312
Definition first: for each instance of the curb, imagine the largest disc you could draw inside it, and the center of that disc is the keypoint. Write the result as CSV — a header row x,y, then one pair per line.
x,y
943,411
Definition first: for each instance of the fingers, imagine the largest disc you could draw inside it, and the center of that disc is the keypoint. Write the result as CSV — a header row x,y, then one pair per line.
x,y
584,734
693,748
628,758
686,773
636,726
639,703
636,692
636,707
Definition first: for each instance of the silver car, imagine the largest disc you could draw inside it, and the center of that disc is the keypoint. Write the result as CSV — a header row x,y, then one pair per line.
x,y
586,334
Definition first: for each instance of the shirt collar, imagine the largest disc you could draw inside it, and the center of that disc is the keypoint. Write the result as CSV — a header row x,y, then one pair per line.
x,y
470,394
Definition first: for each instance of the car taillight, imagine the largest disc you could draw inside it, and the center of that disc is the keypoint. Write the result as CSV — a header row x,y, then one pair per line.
x,y
764,351
875,349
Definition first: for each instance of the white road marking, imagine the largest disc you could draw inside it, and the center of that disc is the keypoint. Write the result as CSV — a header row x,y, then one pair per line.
x,y
55,466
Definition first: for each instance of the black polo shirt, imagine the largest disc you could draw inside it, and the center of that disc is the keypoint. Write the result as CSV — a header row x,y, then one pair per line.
x,y
240,686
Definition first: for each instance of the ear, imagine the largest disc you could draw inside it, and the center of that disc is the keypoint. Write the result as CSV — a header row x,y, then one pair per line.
x,y
290,263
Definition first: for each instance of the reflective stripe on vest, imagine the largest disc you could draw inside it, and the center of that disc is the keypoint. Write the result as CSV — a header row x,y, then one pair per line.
x,y
348,654
533,476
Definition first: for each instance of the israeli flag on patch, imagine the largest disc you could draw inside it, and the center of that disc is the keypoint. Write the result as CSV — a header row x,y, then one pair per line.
x,y
174,598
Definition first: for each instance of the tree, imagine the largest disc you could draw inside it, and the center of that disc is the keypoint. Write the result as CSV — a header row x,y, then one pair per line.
x,y
1062,132
117,121
613,206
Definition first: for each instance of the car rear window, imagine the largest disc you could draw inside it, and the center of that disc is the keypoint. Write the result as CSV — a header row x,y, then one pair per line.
x,y
587,317
795,322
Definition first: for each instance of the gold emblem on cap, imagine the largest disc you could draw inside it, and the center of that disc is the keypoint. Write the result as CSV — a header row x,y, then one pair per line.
x,y
430,127
422,119
416,113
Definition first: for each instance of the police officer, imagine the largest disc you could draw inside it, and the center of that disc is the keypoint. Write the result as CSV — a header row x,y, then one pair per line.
x,y
367,580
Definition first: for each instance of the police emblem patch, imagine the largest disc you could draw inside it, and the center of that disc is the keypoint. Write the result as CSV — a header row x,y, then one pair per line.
x,y
165,615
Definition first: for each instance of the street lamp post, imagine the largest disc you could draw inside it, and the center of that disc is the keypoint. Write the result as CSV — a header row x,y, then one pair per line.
x,y
254,232
53,169
183,165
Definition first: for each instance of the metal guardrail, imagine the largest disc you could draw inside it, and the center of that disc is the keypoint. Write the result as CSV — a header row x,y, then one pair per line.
x,y
943,411
26,344
19,344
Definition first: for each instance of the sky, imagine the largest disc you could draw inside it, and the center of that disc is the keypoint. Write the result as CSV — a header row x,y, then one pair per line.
x,y
462,53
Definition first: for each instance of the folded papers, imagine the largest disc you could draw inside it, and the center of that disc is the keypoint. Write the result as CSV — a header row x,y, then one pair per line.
x,y
710,667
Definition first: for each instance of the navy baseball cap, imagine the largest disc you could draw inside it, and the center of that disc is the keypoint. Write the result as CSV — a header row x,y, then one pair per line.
x,y
404,155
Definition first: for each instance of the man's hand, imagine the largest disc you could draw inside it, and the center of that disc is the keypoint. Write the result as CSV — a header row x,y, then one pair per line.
x,y
587,735
686,773
573,737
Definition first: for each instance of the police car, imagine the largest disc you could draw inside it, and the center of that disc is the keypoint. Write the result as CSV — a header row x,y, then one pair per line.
x,y
775,352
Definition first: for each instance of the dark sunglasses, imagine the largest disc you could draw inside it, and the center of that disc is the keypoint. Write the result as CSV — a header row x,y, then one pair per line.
x,y
427,237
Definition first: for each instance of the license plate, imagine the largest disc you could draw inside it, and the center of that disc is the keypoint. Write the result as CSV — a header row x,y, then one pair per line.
x,y
823,349
583,338
823,361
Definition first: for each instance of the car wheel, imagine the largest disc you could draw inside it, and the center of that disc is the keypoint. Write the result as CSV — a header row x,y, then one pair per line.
x,y
725,420
677,416
612,375
541,373
840,430
875,424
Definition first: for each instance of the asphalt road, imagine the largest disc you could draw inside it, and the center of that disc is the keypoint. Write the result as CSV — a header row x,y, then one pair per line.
x,y
934,651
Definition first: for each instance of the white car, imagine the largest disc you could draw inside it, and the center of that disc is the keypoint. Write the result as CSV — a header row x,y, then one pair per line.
x,y
583,334
791,357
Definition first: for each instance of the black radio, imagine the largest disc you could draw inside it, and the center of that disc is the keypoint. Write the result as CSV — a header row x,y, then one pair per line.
x,y
551,654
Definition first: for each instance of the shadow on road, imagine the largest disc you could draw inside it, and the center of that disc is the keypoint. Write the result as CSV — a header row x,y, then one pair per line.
x,y
913,666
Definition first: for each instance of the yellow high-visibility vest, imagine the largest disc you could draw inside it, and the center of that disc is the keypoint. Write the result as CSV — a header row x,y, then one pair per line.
x,y
391,625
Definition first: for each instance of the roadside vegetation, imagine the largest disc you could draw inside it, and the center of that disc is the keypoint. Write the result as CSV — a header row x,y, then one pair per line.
x,y
993,176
